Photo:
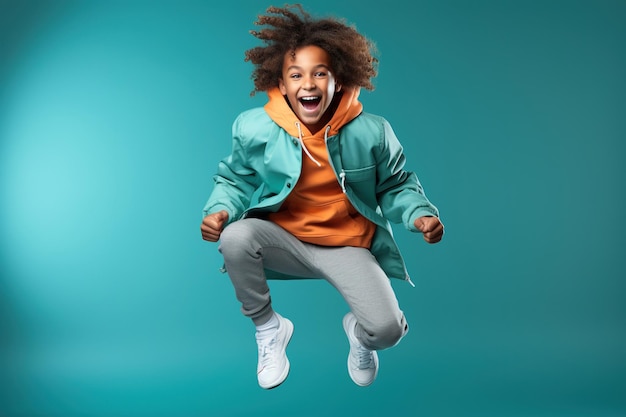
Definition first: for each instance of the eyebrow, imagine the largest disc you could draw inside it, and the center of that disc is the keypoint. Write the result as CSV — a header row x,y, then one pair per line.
x,y
296,67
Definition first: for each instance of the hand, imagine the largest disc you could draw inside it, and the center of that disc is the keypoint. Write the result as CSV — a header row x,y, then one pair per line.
x,y
212,225
431,228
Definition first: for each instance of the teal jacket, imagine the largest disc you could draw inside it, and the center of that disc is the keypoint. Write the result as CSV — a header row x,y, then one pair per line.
x,y
366,156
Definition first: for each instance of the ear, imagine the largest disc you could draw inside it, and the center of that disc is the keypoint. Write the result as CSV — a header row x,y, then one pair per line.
x,y
337,88
281,87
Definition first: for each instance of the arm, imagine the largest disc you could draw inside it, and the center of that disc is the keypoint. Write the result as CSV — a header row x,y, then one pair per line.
x,y
234,185
399,192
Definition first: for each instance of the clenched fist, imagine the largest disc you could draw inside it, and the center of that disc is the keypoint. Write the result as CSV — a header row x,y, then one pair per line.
x,y
431,228
212,225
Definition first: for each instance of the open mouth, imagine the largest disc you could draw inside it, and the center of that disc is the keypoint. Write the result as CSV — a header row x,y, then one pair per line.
x,y
310,103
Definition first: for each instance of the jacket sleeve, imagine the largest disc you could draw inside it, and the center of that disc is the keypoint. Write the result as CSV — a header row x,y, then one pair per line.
x,y
399,192
235,182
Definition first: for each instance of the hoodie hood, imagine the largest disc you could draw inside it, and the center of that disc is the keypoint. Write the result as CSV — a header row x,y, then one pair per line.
x,y
279,111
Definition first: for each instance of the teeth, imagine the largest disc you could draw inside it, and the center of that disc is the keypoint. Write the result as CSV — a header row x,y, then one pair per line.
x,y
308,98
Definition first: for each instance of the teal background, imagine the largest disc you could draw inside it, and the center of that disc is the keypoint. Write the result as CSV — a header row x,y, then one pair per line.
x,y
113,116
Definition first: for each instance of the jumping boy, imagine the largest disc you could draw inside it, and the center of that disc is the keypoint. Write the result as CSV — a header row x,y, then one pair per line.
x,y
310,188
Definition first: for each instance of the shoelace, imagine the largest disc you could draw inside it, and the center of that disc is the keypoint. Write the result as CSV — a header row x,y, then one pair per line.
x,y
365,358
266,351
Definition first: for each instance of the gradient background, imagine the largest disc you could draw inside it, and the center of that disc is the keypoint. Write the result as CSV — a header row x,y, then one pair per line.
x,y
113,116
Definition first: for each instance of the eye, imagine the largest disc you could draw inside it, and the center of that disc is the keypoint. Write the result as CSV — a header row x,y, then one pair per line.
x,y
295,76
320,74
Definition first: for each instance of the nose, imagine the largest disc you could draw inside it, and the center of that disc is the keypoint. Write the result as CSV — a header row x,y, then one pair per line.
x,y
309,83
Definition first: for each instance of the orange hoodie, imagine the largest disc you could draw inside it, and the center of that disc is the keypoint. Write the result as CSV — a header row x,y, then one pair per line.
x,y
317,210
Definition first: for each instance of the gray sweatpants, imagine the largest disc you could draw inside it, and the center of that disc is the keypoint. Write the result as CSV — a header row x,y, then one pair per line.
x,y
251,245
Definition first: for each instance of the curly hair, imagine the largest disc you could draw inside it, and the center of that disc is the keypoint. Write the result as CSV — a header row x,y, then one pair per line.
x,y
351,53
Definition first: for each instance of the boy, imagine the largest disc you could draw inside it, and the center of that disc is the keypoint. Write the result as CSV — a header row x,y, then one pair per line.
x,y
326,180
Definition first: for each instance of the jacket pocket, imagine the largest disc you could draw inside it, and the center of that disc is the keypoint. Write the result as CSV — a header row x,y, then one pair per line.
x,y
361,174
362,185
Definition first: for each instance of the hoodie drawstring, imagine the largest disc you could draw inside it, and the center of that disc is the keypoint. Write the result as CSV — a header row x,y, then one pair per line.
x,y
342,174
304,146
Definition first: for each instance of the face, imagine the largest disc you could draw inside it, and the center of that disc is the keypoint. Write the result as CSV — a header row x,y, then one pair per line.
x,y
309,85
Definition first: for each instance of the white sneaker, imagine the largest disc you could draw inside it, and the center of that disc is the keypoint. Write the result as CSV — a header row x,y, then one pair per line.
x,y
362,362
273,366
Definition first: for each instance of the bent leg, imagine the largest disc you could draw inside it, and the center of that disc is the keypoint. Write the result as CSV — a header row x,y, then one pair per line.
x,y
366,288
250,246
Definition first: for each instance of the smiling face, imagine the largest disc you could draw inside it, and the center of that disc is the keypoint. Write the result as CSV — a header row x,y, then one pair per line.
x,y
309,85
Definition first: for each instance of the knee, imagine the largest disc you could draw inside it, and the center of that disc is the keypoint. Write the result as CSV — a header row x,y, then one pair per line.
x,y
230,233
386,334
235,240
390,335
